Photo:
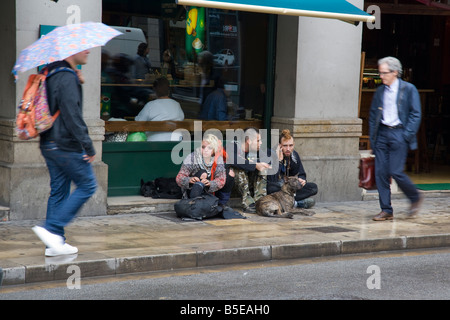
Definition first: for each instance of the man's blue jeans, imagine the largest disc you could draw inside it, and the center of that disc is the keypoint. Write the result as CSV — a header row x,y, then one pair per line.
x,y
391,151
64,168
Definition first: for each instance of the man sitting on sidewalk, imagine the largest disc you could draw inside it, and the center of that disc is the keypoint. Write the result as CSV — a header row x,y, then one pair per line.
x,y
291,165
250,172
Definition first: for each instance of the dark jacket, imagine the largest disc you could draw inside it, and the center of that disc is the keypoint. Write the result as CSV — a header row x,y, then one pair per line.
x,y
238,158
289,166
215,106
409,113
64,93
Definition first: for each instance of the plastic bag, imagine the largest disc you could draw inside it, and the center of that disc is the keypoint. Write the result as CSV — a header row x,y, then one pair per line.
x,y
137,136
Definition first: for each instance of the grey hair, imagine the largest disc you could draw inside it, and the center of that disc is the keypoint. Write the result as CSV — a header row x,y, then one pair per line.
x,y
393,64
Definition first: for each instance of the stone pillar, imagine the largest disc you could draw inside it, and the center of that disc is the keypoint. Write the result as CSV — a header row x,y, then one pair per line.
x,y
24,179
316,97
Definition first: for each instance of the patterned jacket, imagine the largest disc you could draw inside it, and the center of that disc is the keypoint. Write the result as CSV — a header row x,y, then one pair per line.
x,y
194,163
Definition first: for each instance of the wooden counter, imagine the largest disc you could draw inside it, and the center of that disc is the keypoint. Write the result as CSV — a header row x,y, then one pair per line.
x,y
135,126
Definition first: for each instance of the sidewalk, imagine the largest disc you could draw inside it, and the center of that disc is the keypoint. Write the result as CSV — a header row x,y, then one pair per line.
x,y
150,237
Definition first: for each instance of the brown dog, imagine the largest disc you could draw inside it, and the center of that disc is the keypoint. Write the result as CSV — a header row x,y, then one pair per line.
x,y
281,204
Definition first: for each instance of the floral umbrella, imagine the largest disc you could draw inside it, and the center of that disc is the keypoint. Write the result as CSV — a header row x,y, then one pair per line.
x,y
63,42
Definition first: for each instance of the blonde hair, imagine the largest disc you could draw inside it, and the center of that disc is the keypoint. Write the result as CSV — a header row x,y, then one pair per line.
x,y
286,135
213,141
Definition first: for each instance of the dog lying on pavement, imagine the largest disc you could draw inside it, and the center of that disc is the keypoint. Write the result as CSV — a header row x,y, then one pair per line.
x,y
281,204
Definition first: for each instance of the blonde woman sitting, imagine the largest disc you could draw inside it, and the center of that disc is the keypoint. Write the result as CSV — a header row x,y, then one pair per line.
x,y
204,171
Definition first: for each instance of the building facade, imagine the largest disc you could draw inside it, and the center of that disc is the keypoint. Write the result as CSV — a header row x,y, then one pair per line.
x,y
313,90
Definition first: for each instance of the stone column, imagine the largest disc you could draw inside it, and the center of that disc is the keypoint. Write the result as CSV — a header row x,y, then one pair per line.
x,y
316,97
24,179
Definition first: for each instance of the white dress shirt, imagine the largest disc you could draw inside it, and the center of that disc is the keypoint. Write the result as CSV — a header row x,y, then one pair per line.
x,y
390,108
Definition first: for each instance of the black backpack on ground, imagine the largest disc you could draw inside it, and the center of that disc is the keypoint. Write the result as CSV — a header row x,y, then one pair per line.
x,y
198,208
161,188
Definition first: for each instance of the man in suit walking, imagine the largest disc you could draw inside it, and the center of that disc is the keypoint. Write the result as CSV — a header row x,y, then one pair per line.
x,y
394,120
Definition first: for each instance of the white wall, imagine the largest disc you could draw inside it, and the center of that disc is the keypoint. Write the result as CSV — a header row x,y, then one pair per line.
x,y
317,68
328,63
316,97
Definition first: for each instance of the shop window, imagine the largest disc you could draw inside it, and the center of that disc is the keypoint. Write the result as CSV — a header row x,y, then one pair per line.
x,y
215,61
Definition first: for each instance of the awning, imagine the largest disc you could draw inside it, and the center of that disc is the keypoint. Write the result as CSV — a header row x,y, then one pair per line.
x,y
332,9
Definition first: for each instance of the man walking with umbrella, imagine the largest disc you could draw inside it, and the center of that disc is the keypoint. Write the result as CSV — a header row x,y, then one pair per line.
x,y
68,152
66,147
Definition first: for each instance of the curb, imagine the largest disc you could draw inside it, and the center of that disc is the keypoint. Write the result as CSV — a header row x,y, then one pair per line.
x,y
109,266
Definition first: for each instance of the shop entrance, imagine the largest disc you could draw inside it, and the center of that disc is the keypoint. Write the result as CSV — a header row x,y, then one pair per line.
x,y
421,41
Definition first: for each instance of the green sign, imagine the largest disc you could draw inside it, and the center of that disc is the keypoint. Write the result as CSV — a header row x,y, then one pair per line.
x,y
195,31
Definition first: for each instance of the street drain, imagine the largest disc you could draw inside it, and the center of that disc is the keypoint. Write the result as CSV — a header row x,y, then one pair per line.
x,y
330,229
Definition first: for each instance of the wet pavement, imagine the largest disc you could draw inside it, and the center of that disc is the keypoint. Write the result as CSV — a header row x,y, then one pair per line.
x,y
144,235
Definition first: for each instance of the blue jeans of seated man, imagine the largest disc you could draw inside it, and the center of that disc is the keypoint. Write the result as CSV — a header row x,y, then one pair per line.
x,y
64,168
391,151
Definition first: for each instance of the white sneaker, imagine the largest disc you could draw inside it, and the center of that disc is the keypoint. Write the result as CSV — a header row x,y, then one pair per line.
x,y
61,250
51,240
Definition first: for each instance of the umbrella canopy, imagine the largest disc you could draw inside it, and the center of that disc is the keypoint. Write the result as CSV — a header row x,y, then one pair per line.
x,y
63,42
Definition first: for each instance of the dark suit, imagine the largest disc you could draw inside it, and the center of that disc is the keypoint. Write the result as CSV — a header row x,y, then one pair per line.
x,y
391,145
